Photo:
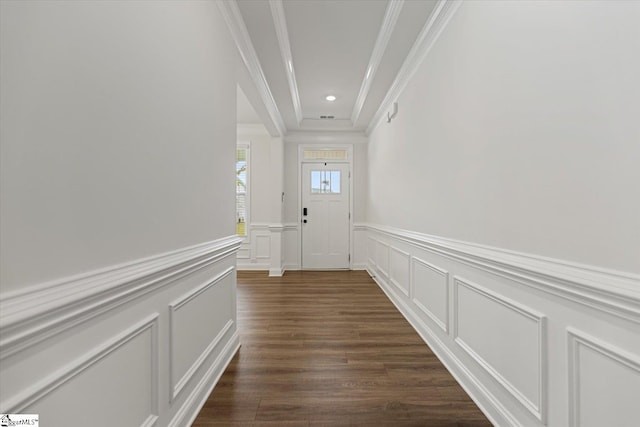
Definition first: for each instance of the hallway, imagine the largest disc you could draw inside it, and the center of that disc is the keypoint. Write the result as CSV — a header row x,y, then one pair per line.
x,y
329,348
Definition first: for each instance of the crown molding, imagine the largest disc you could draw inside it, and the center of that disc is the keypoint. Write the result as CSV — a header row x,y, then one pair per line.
x,y
386,30
438,20
280,24
238,29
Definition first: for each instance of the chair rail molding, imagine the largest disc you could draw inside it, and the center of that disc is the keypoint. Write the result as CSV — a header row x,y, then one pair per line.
x,y
34,314
614,292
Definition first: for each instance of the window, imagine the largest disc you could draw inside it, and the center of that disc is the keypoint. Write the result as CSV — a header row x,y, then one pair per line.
x,y
242,189
325,182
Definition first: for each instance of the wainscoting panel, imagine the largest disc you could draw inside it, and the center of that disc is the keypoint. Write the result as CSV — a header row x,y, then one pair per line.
x,y
604,382
399,269
255,251
495,332
124,343
498,320
371,251
133,355
430,292
263,246
192,346
382,258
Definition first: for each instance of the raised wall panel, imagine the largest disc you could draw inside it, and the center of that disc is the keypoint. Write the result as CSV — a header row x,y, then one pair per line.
x,y
399,269
371,251
244,253
196,329
604,383
430,292
263,246
506,338
119,378
382,257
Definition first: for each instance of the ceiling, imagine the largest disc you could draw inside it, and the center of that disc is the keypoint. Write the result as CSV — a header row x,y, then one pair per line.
x,y
296,52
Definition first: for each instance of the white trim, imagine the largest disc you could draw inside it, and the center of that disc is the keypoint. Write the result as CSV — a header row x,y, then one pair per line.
x,y
439,18
360,227
280,24
43,388
177,386
380,243
37,313
260,226
576,338
276,272
614,292
238,29
388,25
198,397
262,237
444,325
290,226
391,278
538,409
371,251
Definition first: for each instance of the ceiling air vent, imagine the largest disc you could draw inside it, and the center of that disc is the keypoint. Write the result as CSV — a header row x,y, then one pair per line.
x,y
328,117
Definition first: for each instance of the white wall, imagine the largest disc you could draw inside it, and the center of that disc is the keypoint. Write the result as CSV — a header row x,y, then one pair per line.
x,y
520,131
503,216
117,148
108,136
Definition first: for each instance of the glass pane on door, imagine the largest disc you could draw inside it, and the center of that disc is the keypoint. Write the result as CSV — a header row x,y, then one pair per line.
x,y
325,182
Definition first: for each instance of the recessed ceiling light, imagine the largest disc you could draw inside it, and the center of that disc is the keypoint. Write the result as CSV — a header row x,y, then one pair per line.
x,y
330,98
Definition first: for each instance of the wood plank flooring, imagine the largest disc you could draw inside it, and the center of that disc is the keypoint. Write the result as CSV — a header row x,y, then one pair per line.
x,y
329,349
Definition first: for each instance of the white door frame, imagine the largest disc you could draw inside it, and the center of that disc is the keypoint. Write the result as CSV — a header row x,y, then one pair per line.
x,y
349,149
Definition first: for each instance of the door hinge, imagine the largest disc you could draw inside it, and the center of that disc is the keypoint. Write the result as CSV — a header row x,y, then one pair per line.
x,y
349,215
349,257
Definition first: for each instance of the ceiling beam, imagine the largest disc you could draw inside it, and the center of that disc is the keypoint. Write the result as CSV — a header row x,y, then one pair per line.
x,y
438,20
280,24
238,29
386,30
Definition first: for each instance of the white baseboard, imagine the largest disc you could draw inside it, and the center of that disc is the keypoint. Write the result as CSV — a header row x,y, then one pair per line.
x,y
276,272
187,414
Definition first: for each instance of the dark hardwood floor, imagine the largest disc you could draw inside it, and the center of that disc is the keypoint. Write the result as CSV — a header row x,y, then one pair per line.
x,y
329,348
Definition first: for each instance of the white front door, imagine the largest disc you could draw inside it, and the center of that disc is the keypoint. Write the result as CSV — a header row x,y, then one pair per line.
x,y
325,215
